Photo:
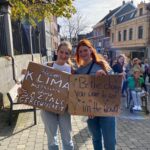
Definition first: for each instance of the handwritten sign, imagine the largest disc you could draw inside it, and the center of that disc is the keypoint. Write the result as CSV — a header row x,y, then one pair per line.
x,y
53,90
98,96
45,88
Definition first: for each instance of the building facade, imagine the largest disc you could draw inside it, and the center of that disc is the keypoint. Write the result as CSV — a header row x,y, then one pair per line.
x,y
102,31
130,32
49,37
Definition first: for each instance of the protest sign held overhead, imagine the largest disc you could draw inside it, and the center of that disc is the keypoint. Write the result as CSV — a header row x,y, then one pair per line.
x,y
45,88
98,96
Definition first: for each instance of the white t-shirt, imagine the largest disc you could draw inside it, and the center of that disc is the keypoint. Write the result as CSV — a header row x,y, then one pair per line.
x,y
63,68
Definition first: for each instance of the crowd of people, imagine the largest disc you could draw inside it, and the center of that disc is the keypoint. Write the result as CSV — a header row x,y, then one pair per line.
x,y
136,75
88,61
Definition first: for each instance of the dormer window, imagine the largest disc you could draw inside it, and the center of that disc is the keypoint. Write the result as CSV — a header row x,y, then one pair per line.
x,y
141,12
121,19
132,14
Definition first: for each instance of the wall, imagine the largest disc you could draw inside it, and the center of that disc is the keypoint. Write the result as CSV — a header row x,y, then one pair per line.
x,y
7,76
21,62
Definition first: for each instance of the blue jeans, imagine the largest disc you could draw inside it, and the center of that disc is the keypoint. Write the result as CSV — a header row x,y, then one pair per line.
x,y
124,87
106,127
52,121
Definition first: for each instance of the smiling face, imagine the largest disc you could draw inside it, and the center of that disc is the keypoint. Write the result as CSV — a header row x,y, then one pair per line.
x,y
121,60
84,53
63,54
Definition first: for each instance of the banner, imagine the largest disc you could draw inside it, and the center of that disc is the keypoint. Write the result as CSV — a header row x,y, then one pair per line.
x,y
45,88
98,96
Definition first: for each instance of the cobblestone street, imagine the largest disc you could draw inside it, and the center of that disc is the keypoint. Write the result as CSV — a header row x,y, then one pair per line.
x,y
132,134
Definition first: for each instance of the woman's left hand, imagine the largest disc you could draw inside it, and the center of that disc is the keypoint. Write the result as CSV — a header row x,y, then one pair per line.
x,y
100,73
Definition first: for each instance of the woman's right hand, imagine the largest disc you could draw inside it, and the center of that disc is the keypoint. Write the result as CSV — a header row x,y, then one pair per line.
x,y
19,90
24,71
100,73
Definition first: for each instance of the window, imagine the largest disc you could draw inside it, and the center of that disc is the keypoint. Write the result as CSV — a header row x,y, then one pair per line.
x,y
124,35
121,19
130,34
141,12
112,37
132,14
140,32
119,36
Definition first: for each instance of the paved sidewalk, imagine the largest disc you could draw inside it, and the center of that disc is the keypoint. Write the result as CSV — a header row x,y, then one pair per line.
x,y
132,134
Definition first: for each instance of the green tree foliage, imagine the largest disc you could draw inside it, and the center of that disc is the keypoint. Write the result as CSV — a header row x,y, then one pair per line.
x,y
40,9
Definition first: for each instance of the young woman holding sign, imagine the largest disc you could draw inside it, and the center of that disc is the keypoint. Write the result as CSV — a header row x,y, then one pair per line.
x,y
90,62
52,120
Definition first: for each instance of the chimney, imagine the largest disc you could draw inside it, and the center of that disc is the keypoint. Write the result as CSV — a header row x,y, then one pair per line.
x,y
123,2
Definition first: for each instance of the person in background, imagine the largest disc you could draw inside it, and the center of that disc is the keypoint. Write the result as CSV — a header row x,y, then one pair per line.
x,y
119,68
106,57
145,68
89,62
113,62
129,68
136,66
55,55
136,86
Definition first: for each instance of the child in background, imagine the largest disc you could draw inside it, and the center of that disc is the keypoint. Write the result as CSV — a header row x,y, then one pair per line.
x,y
136,86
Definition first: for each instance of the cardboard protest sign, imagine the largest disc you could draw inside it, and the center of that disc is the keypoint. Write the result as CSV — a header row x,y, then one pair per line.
x,y
53,90
45,88
98,96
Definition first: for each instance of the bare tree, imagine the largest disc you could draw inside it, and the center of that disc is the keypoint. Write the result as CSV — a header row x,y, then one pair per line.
x,y
72,27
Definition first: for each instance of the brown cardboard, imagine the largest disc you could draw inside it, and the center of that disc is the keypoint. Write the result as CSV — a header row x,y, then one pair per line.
x,y
45,88
53,90
98,96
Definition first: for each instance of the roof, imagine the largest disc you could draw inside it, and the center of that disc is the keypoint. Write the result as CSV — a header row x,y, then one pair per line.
x,y
117,12
129,15
126,17
110,14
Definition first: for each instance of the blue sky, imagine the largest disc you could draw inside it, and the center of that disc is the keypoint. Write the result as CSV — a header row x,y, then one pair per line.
x,y
95,10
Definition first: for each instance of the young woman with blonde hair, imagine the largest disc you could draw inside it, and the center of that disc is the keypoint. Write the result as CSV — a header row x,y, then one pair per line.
x,y
53,120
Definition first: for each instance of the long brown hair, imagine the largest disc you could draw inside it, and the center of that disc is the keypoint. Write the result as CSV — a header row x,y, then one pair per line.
x,y
124,57
97,58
